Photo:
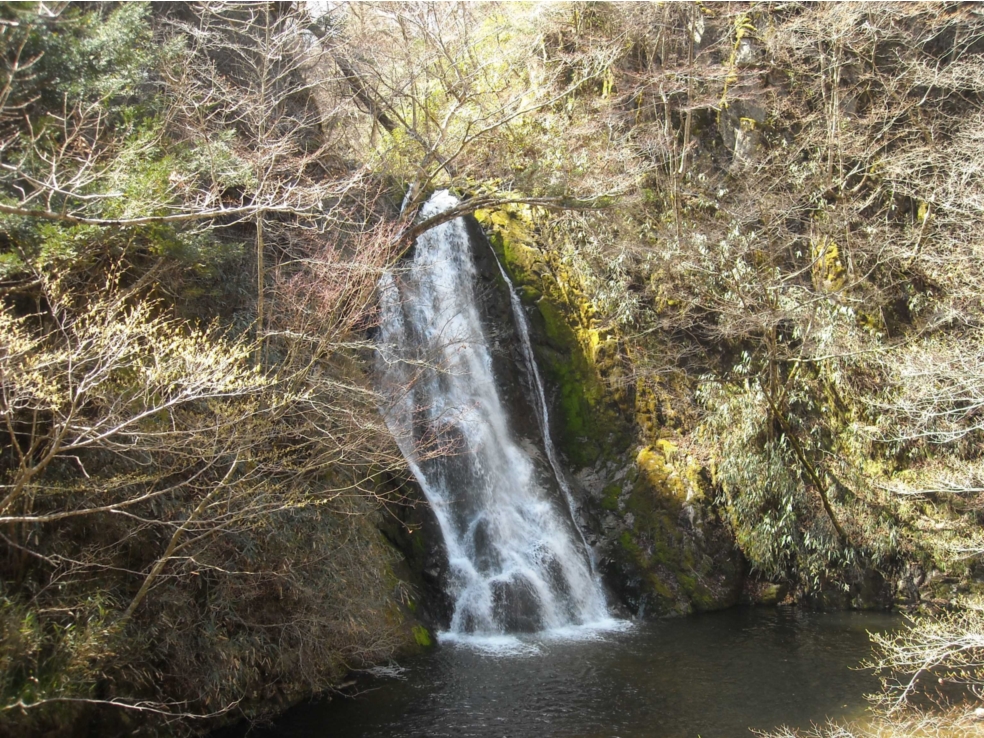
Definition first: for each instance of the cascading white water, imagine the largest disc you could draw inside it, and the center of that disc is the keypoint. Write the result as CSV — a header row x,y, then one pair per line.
x,y
517,561
543,418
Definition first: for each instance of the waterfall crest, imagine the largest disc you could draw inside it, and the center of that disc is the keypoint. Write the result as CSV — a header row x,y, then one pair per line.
x,y
517,560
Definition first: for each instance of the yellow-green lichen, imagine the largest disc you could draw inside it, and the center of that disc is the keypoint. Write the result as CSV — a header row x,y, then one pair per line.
x,y
653,461
828,272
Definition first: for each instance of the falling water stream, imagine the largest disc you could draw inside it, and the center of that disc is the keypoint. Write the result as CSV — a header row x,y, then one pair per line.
x,y
518,561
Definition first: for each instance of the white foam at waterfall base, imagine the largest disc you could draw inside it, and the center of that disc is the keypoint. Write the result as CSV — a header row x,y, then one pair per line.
x,y
494,645
533,644
517,560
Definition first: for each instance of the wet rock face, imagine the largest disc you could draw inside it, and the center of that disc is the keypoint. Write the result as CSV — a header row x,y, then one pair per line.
x,y
513,382
410,527
516,605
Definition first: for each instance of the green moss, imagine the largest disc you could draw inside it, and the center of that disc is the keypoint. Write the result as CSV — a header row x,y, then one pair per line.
x,y
574,355
422,636
665,550
704,599
687,582
772,594
610,496
660,588
628,544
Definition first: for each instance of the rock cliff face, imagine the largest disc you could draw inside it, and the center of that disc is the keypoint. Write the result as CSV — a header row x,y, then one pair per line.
x,y
646,505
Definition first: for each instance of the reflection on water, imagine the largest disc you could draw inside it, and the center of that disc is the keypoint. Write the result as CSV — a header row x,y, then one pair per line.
x,y
713,675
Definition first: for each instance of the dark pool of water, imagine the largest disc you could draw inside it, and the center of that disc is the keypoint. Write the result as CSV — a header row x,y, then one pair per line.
x,y
714,676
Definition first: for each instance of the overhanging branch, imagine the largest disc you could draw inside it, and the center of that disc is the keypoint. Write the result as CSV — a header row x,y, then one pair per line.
x,y
481,203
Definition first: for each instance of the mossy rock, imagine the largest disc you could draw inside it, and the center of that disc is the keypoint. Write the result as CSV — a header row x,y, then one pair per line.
x,y
674,553
422,636
576,357
610,497
772,594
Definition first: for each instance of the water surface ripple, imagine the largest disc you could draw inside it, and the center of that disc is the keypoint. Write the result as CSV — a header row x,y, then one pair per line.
x,y
713,675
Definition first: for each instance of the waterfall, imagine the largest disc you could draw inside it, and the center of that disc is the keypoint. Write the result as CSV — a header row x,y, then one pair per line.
x,y
543,417
517,559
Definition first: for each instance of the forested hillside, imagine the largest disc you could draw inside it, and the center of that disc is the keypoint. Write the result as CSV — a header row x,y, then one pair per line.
x,y
749,237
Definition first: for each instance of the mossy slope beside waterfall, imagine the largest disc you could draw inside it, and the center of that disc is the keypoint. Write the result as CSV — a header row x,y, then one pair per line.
x,y
662,545
577,357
